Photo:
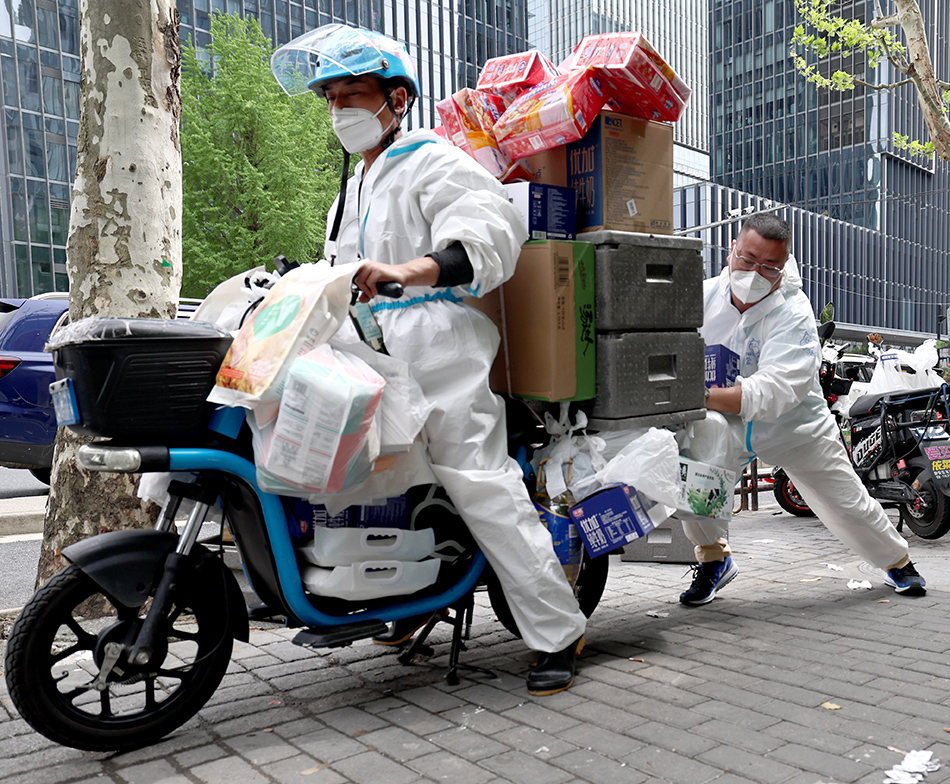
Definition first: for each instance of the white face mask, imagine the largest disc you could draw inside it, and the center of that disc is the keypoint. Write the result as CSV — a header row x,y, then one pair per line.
x,y
749,286
358,130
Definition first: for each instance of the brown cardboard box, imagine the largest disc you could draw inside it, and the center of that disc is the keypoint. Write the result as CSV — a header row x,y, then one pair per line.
x,y
547,334
548,167
623,172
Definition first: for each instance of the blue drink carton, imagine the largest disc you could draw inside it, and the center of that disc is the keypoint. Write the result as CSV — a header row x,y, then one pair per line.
x,y
722,366
610,518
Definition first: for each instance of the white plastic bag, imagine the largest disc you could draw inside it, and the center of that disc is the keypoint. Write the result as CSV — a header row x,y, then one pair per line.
x,y
712,441
650,463
571,458
302,311
391,476
404,408
229,301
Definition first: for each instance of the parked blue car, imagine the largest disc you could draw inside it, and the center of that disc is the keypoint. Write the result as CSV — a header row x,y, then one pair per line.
x,y
27,421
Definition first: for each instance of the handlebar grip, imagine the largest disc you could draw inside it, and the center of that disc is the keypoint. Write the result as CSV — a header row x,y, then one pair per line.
x,y
390,289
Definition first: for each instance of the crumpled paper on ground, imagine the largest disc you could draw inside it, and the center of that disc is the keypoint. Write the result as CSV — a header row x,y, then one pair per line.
x,y
859,585
913,768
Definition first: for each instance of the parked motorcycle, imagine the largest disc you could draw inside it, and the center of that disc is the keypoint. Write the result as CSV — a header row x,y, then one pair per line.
x,y
134,636
900,449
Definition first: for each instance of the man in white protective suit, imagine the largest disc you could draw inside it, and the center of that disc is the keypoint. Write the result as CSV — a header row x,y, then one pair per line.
x,y
777,412
421,212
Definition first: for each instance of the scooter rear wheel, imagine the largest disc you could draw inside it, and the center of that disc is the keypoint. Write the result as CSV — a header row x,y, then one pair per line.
x,y
589,588
929,516
55,655
789,498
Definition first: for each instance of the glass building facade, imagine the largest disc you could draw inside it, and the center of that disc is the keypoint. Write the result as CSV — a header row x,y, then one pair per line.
x,y
677,29
449,40
832,154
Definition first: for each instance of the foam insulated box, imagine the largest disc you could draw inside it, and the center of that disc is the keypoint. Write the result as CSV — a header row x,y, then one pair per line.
x,y
643,373
646,281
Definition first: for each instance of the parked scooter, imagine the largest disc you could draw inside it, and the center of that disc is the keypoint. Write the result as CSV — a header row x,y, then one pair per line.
x,y
165,608
900,449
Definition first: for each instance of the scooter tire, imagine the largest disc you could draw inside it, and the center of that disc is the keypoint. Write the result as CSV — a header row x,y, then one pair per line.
x,y
789,498
589,588
54,656
929,519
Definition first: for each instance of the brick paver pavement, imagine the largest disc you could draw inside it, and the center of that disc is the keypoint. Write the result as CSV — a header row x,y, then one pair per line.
x,y
789,677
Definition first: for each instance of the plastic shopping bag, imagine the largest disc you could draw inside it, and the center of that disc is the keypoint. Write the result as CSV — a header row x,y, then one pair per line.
x,y
713,441
404,408
323,439
650,463
302,311
230,302
889,375
572,457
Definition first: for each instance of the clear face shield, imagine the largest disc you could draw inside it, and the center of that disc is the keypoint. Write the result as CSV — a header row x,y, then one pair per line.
x,y
334,51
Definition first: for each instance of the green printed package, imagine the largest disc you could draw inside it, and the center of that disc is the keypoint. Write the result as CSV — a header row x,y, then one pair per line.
x,y
705,490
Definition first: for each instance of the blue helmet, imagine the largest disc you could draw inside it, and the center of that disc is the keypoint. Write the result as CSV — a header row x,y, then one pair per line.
x,y
336,51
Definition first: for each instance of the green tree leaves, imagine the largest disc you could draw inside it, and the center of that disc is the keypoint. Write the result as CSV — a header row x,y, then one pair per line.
x,y
260,169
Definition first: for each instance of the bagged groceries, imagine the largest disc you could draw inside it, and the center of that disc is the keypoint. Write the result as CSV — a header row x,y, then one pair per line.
x,y
323,439
302,310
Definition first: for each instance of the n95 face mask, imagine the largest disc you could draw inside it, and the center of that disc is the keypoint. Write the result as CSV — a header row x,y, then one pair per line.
x,y
749,286
358,129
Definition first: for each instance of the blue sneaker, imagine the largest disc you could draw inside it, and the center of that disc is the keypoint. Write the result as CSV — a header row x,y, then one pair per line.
x,y
709,578
906,581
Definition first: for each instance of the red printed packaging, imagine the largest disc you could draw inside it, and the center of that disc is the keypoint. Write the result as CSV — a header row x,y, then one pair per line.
x,y
468,117
640,82
551,114
510,75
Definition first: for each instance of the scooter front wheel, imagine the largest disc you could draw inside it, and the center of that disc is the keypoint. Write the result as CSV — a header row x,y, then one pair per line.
x,y
789,498
66,681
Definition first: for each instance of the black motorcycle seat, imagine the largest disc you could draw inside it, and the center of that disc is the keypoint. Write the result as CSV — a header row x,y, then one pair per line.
x,y
865,404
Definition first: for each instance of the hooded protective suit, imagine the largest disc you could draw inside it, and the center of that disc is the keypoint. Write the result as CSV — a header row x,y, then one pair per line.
x,y
420,196
785,421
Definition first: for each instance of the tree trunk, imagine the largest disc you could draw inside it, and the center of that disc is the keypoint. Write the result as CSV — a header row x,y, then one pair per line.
x,y
124,249
922,73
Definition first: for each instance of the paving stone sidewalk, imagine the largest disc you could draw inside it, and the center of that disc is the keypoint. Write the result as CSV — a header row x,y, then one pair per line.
x,y
789,677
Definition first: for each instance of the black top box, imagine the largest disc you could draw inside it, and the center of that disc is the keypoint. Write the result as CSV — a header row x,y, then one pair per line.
x,y
140,378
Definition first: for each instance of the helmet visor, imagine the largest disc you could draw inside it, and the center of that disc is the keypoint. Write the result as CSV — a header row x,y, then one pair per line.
x,y
333,51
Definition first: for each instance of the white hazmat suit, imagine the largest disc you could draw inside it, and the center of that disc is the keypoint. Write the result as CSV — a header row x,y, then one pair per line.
x,y
418,197
785,421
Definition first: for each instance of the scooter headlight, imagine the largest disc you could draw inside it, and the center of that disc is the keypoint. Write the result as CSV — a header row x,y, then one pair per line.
x,y
110,458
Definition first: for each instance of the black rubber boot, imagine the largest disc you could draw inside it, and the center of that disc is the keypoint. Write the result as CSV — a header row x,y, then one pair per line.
x,y
554,671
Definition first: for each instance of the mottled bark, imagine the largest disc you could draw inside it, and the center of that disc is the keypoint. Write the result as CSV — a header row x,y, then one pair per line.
x,y
124,249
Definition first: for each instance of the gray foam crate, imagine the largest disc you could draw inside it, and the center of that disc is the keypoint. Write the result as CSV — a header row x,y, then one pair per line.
x,y
670,420
666,544
646,281
646,373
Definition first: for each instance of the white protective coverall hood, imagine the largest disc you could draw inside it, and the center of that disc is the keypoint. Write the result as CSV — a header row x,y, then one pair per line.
x,y
419,196
779,356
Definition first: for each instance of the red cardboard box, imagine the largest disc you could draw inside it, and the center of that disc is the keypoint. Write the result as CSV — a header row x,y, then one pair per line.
x,y
510,75
551,114
641,83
